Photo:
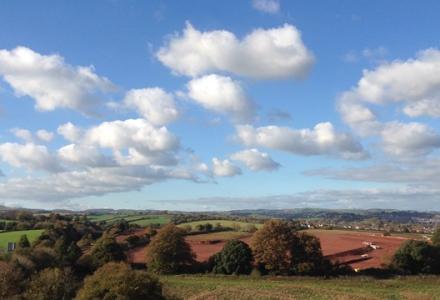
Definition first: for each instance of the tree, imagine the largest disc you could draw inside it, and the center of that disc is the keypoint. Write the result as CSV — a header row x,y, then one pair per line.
x,y
436,237
52,284
280,249
272,246
235,258
118,281
168,252
106,250
415,257
24,242
10,280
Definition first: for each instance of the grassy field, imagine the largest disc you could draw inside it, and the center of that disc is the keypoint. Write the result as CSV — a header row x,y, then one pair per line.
x,y
417,236
224,223
141,219
231,287
222,235
14,236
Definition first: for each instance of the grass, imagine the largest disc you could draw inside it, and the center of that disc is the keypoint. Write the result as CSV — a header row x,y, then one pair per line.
x,y
244,287
224,223
223,235
139,219
418,236
14,236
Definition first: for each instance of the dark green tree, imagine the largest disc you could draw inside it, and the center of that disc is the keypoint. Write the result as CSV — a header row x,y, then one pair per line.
x,y
415,257
52,284
23,243
235,258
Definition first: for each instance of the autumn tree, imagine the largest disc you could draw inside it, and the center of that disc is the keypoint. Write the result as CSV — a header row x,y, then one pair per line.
x,y
168,252
106,250
119,281
10,280
52,284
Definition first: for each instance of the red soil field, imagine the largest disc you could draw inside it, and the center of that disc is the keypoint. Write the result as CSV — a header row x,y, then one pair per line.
x,y
342,246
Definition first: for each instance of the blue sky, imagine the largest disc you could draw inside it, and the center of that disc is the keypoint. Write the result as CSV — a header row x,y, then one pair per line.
x,y
219,104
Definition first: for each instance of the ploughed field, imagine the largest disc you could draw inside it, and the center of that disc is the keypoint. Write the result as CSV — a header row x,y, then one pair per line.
x,y
360,250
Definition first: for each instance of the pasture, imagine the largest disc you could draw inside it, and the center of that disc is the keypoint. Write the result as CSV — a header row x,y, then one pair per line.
x,y
198,287
224,223
139,219
14,236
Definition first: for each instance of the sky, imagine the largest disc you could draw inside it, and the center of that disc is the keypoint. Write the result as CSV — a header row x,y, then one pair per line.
x,y
220,105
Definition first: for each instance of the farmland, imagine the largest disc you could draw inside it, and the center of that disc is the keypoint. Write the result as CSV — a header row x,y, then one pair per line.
x,y
245,287
14,236
223,223
139,219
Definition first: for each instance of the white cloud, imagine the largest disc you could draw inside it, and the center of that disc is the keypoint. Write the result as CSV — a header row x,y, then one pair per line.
x,y
29,156
83,155
23,134
154,104
44,135
132,133
321,140
256,160
51,82
409,139
267,6
70,132
222,94
224,168
264,53
415,82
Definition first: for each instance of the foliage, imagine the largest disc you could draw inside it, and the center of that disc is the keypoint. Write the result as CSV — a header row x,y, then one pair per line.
x,y
23,242
415,257
10,280
436,237
52,284
118,281
280,249
235,258
106,250
168,252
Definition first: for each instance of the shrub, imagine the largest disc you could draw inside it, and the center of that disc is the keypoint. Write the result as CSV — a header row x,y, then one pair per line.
x,y
168,252
52,284
235,258
119,281
106,250
10,280
415,257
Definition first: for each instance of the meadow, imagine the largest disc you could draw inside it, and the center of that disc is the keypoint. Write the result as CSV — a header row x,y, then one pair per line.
x,y
198,287
139,219
224,223
14,236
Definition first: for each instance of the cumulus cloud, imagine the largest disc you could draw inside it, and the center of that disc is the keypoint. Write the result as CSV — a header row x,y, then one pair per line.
x,y
70,132
267,6
224,168
154,104
51,82
414,82
91,182
263,53
83,155
44,135
256,160
29,156
409,139
23,134
321,140
222,94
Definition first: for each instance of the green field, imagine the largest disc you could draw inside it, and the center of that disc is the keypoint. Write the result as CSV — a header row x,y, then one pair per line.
x,y
417,236
224,223
222,235
140,219
14,236
244,287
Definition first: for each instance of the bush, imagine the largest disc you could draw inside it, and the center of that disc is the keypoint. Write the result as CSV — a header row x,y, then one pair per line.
x,y
168,252
52,284
415,257
235,258
10,280
106,250
119,281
